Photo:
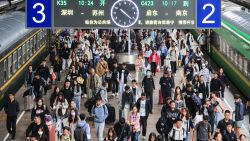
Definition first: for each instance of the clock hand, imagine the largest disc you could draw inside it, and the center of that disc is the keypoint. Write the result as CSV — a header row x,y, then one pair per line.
x,y
125,13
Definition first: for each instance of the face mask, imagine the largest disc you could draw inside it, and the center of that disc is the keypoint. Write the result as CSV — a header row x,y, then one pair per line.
x,y
148,73
73,113
40,132
203,67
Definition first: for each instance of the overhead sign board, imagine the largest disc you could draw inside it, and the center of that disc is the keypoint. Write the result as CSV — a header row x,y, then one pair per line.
x,y
113,13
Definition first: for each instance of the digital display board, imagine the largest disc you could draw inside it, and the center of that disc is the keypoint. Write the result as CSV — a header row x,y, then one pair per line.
x,y
124,13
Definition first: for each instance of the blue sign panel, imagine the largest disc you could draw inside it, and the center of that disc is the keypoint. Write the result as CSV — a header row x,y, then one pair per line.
x,y
208,13
38,13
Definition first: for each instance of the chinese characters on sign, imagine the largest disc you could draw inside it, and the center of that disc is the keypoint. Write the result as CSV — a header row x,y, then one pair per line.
x,y
97,13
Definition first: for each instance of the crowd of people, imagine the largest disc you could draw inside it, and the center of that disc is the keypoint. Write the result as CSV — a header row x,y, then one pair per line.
x,y
92,74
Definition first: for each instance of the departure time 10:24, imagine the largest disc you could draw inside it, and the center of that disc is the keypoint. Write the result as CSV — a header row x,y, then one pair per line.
x,y
86,2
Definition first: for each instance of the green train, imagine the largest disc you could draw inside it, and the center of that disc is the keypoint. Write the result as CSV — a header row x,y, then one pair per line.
x,y
230,45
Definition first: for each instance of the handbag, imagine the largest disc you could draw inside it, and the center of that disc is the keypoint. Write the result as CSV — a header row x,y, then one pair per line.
x,y
158,69
80,80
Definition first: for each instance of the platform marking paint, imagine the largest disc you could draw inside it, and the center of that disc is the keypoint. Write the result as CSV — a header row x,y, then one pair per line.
x,y
19,118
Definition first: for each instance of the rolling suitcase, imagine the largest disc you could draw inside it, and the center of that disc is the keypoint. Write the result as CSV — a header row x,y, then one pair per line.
x,y
28,100
161,101
111,117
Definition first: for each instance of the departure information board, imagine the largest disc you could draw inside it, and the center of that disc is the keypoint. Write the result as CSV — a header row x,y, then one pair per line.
x,y
123,13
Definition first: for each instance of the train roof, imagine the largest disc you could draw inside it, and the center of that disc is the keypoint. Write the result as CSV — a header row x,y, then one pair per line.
x,y
239,19
12,29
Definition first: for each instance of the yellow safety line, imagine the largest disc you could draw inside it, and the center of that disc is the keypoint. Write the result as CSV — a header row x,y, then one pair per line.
x,y
21,68
19,45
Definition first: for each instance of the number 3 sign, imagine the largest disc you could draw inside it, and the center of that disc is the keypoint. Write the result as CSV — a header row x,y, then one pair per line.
x,y
38,13
208,13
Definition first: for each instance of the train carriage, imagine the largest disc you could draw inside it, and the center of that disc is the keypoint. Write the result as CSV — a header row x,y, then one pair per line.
x,y
19,47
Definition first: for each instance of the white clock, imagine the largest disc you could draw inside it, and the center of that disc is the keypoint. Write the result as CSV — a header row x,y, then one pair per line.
x,y
124,13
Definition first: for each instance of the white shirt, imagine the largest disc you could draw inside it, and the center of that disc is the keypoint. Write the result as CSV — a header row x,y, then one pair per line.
x,y
143,108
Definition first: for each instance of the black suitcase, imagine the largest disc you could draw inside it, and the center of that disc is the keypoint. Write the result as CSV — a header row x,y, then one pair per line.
x,y
111,117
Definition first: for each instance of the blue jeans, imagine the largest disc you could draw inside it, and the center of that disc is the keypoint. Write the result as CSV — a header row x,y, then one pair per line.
x,y
135,136
78,102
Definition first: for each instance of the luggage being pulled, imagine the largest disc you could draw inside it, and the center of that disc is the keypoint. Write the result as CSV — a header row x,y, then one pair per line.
x,y
112,116
28,100
161,101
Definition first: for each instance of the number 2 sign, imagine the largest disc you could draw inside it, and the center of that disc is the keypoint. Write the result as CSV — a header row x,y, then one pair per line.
x,y
208,13
38,13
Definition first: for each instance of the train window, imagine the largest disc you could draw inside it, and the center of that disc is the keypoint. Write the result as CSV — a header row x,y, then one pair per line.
x,y
38,40
5,72
41,38
24,53
236,57
240,62
20,57
10,67
15,63
28,50
35,46
32,45
245,66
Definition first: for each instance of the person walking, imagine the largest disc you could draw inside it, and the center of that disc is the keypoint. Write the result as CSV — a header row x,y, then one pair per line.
x,y
99,112
202,130
166,85
149,86
239,114
11,109
143,106
122,130
134,123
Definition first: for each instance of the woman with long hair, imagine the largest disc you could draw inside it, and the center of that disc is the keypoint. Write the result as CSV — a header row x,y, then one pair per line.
x,y
152,137
139,65
111,135
54,96
71,121
134,123
62,103
187,121
77,90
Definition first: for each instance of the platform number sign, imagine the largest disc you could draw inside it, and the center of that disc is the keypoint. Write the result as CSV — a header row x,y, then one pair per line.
x,y
208,13
38,13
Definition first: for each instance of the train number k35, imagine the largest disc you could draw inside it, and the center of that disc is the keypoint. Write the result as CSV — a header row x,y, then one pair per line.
x,y
38,13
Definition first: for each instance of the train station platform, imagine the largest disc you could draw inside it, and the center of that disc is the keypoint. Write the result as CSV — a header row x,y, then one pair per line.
x,y
24,117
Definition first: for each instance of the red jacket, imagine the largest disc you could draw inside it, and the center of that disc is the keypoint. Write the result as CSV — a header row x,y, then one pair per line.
x,y
151,57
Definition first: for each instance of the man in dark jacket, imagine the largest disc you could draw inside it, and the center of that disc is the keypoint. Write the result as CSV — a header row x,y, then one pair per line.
x,y
224,81
43,71
74,43
115,79
216,85
127,101
149,86
11,108
143,106
239,114
203,89
111,61
189,71
65,53
38,83
124,74
171,115
67,92
29,79
34,127
122,130
230,134
166,85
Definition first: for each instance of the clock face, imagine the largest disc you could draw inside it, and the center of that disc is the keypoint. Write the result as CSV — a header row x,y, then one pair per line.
x,y
124,13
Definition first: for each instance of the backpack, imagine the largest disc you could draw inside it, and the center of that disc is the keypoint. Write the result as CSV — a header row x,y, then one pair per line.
x,y
98,94
197,100
174,130
80,134
161,125
245,110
